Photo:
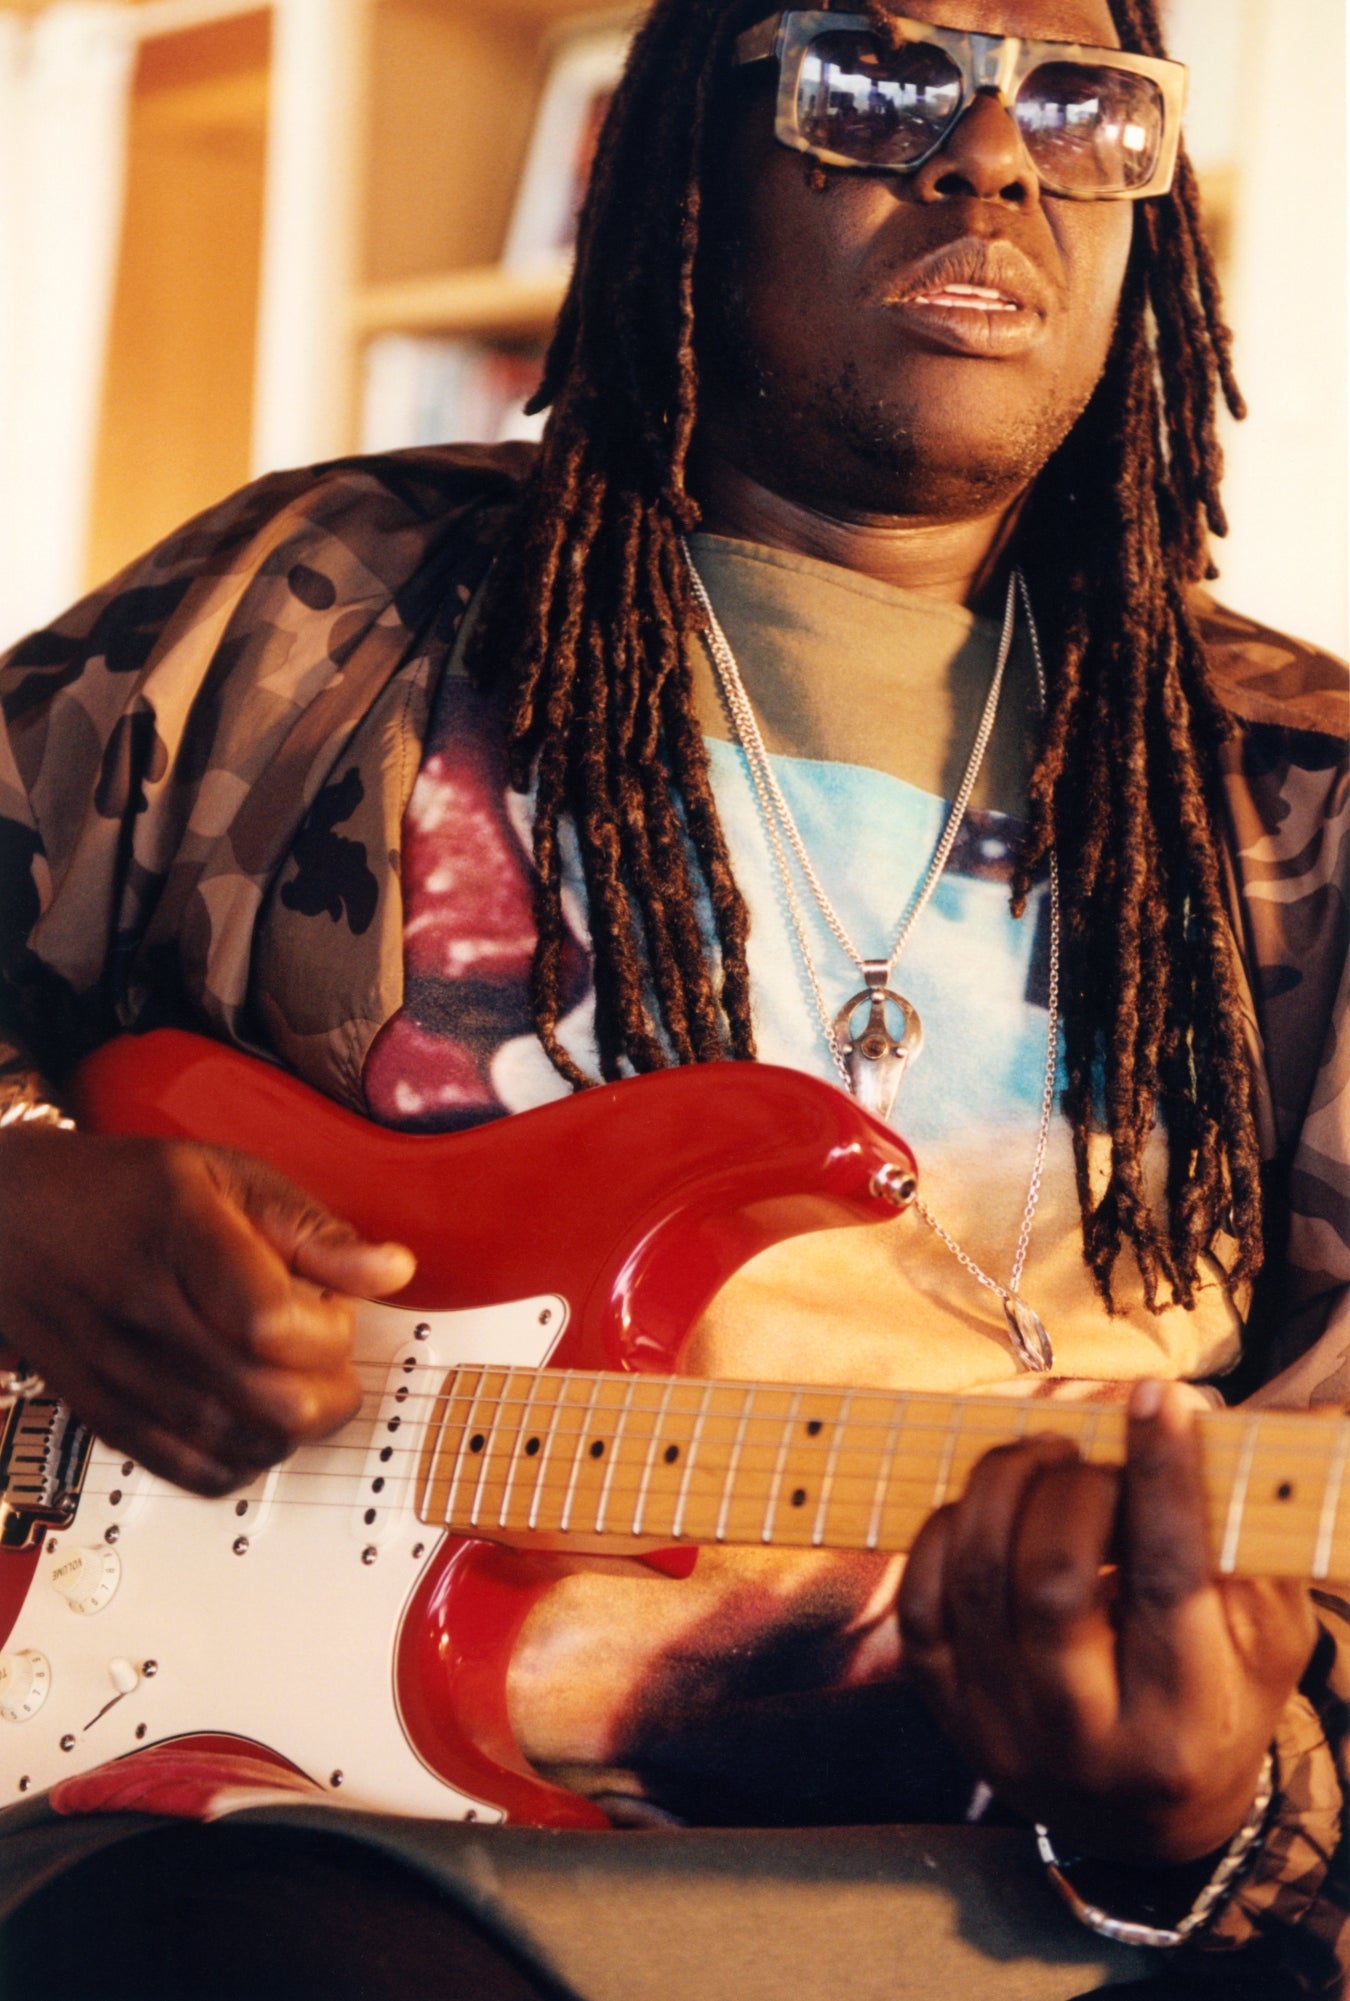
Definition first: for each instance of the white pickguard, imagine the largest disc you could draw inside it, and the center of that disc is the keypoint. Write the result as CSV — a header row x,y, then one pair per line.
x,y
271,1615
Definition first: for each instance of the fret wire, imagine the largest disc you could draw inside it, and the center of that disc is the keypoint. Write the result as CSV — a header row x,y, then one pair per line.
x,y
649,1466
487,1455
831,1467
695,1438
1237,1503
888,1452
579,1455
1094,1425
621,1421
733,1464
1331,1503
944,1472
549,1436
766,1533
433,1448
463,1443
527,1413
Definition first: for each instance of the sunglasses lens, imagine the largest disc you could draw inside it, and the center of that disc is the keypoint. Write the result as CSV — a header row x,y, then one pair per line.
x,y
873,105
1091,131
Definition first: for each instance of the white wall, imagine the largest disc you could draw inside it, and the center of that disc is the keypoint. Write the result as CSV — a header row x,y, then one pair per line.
x,y
1269,103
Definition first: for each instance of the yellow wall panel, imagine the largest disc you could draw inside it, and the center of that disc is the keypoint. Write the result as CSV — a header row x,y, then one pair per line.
x,y
179,385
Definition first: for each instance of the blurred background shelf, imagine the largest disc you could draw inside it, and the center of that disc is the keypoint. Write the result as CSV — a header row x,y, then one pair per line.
x,y
304,177
484,299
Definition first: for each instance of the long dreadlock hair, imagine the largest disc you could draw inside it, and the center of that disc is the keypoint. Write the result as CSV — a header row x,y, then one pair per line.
x,y
589,607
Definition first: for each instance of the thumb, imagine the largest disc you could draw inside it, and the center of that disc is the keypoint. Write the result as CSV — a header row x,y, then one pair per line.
x,y
313,1242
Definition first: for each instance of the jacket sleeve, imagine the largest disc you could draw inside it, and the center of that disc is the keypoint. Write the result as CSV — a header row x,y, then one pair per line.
x,y
161,744
92,710
1288,790
1291,1909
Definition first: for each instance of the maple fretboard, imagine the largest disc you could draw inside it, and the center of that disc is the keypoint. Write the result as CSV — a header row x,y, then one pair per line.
x,y
625,1459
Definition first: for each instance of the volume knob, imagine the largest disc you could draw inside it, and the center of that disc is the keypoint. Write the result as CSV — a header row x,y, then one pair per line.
x,y
87,1578
25,1683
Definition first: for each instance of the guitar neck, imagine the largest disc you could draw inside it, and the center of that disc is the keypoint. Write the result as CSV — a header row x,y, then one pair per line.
x,y
612,1460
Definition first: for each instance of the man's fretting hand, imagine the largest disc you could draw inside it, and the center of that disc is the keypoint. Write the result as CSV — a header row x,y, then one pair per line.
x,y
1128,1708
190,1304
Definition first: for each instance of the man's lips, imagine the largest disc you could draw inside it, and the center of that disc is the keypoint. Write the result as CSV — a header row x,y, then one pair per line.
x,y
974,297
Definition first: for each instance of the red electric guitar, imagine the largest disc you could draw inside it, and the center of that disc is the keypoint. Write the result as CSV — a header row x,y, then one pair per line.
x,y
355,1609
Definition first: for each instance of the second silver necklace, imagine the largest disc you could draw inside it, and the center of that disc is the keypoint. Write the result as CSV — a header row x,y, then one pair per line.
x,y
873,1061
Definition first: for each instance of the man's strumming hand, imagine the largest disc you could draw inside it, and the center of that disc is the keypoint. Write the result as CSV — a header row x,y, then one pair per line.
x,y
192,1305
1064,1624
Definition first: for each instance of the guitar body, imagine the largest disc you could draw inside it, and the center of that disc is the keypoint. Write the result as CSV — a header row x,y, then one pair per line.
x,y
315,1614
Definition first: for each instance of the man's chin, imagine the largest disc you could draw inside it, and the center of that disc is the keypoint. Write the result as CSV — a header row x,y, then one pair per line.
x,y
886,483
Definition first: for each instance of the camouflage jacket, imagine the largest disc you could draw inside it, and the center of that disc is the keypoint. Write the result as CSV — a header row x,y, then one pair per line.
x,y
203,773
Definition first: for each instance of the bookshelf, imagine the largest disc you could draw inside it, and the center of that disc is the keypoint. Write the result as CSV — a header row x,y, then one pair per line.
x,y
285,207
480,299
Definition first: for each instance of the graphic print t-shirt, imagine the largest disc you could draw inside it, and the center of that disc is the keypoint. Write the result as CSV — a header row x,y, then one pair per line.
x,y
762,1687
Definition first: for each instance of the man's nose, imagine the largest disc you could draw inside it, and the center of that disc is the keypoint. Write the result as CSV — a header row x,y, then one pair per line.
x,y
982,157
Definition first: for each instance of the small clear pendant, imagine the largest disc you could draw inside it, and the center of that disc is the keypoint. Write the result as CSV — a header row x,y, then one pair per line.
x,y
1031,1342
874,1061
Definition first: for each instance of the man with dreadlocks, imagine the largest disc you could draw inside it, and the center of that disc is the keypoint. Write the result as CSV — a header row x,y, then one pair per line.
x,y
882,424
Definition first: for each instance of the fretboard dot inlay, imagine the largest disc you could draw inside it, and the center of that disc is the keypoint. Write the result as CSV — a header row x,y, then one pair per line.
x,y
1285,1491
477,1442
672,1453
799,1497
598,1449
531,1447
814,1427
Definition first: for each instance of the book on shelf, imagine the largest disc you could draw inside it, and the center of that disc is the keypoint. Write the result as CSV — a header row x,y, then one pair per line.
x,y
427,390
587,63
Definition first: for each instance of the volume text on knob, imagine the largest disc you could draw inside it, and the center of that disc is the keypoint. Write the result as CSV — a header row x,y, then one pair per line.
x,y
25,1682
87,1578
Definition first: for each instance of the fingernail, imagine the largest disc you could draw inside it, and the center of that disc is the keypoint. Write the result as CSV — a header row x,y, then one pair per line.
x,y
399,1261
1146,1400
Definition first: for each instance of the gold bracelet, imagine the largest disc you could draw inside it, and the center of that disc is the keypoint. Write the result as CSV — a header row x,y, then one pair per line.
x,y
1126,1931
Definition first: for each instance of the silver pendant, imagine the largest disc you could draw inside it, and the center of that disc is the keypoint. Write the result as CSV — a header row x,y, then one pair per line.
x,y
874,1060
1031,1342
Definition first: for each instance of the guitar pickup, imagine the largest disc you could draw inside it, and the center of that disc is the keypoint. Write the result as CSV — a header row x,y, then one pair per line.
x,y
44,1451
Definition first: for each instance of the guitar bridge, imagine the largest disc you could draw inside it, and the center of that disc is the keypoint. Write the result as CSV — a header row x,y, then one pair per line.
x,y
43,1454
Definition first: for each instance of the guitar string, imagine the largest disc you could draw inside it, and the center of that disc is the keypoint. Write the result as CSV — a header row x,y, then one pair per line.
x,y
1297,1519
738,1394
1286,1542
462,1391
810,1457
1265,1514
462,1398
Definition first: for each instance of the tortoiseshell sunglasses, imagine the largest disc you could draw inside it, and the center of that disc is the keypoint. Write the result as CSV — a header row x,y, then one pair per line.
x,y
1097,124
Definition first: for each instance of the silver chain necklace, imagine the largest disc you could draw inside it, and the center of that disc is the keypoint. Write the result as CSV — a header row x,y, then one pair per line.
x,y
872,1062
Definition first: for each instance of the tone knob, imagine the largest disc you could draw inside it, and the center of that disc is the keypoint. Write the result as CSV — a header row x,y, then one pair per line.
x,y
25,1683
87,1578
